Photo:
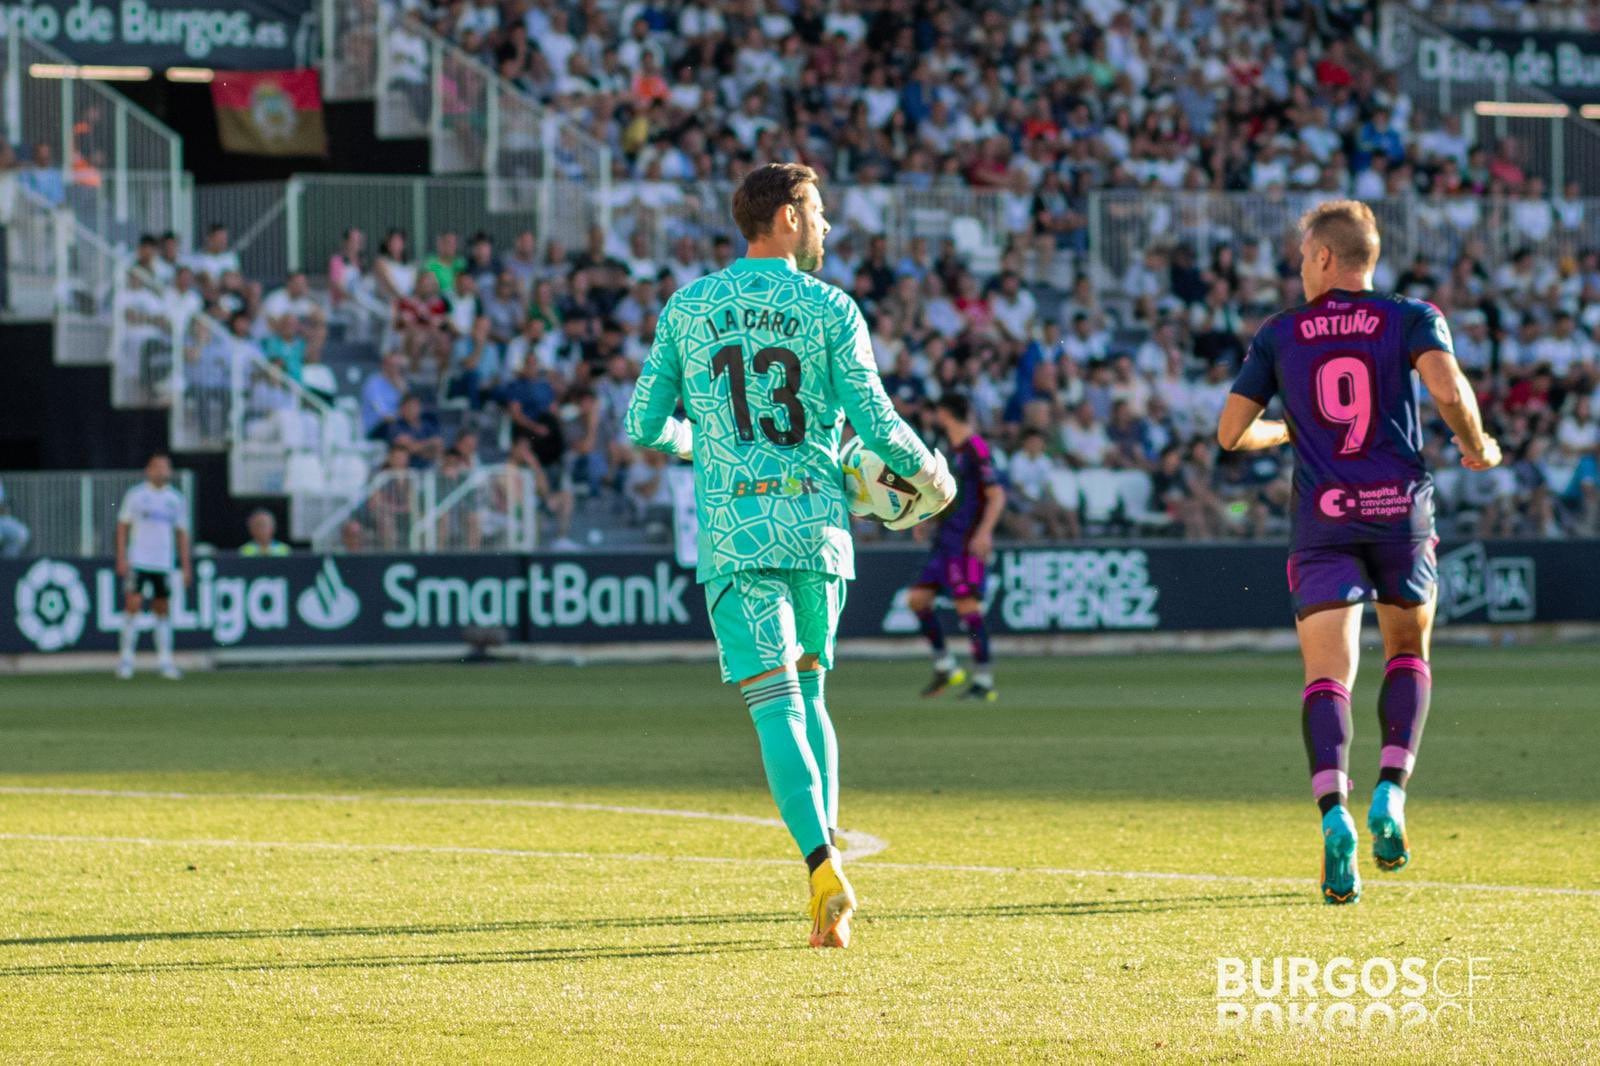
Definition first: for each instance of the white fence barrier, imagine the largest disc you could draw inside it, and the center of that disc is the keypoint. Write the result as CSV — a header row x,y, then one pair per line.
x,y
492,508
69,512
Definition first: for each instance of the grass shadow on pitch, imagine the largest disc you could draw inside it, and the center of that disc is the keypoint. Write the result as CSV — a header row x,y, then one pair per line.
x,y
1087,908
1063,908
579,953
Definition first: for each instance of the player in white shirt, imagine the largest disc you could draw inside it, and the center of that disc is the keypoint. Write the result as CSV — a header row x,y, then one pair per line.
x,y
152,540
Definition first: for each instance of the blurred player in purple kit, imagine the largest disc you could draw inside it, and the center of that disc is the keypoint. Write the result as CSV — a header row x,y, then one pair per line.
x,y
1341,364
961,548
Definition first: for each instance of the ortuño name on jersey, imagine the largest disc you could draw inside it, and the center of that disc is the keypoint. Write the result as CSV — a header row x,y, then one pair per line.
x,y
1362,322
752,318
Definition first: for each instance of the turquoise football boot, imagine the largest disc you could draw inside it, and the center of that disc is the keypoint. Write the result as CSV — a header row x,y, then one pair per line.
x,y
1386,820
1341,883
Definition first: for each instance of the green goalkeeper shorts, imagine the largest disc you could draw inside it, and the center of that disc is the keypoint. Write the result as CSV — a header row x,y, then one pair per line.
x,y
766,619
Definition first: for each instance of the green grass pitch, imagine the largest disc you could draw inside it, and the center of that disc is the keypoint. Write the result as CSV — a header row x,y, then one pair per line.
x,y
430,864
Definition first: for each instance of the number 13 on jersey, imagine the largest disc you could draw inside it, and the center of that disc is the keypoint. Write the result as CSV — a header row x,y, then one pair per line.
x,y
781,368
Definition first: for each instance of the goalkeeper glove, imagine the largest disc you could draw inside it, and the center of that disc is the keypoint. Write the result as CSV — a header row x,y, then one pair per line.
x,y
935,489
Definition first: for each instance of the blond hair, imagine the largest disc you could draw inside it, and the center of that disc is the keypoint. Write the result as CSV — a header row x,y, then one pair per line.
x,y
1346,228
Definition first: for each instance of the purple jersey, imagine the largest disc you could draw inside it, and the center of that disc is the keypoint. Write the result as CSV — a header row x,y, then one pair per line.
x,y
1342,366
973,469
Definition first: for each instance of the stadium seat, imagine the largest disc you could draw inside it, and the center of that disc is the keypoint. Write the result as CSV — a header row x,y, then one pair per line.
x,y
1064,488
347,475
1100,496
304,474
974,244
1135,489
338,428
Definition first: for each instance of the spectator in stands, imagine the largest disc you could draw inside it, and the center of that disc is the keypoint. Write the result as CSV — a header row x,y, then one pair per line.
x,y
529,401
352,536
381,394
475,367
1083,438
408,64
523,262
392,501
1033,509
466,446
183,297
42,177
169,258
555,500
1014,308
293,300
422,320
292,344
394,273
147,333
348,281
483,262
614,391
263,542
461,527
506,308
416,432
14,534
215,258
446,261
586,451
533,343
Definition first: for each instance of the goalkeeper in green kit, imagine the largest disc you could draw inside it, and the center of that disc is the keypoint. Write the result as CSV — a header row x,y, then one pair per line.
x,y
768,362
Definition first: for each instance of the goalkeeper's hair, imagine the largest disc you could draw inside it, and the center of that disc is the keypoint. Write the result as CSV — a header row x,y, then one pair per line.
x,y
1346,228
763,191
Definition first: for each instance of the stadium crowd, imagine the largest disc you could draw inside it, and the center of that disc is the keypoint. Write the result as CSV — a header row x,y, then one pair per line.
x,y
527,352
537,349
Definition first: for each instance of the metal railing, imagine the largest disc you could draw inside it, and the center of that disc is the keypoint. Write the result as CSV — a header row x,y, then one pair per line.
x,y
70,512
253,211
424,85
1444,75
86,268
1126,223
403,86
95,152
492,508
382,513
301,222
201,411
282,438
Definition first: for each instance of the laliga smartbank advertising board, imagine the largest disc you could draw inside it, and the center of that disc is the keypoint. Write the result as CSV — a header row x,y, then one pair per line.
x,y
52,605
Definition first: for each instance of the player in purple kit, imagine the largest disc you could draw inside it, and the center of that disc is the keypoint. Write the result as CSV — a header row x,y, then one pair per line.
x,y
1341,364
961,548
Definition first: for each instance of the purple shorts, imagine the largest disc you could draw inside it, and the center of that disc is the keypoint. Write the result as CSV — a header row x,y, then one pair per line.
x,y
1402,573
956,574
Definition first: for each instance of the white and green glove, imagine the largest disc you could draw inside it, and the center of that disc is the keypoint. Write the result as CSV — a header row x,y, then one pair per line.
x,y
935,486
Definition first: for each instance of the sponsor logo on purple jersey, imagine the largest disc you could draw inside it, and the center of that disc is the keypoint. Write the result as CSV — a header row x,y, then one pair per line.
x,y
1341,366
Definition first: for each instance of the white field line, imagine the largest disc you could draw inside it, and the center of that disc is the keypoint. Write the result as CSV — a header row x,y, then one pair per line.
x,y
860,844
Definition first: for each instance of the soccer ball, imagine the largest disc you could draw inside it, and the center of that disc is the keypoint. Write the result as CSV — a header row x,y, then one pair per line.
x,y
870,487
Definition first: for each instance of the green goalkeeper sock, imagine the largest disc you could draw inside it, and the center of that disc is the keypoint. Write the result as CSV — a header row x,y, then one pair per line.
x,y
779,714
824,744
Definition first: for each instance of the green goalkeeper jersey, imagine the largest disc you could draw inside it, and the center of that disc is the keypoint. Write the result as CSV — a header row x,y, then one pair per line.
x,y
768,363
